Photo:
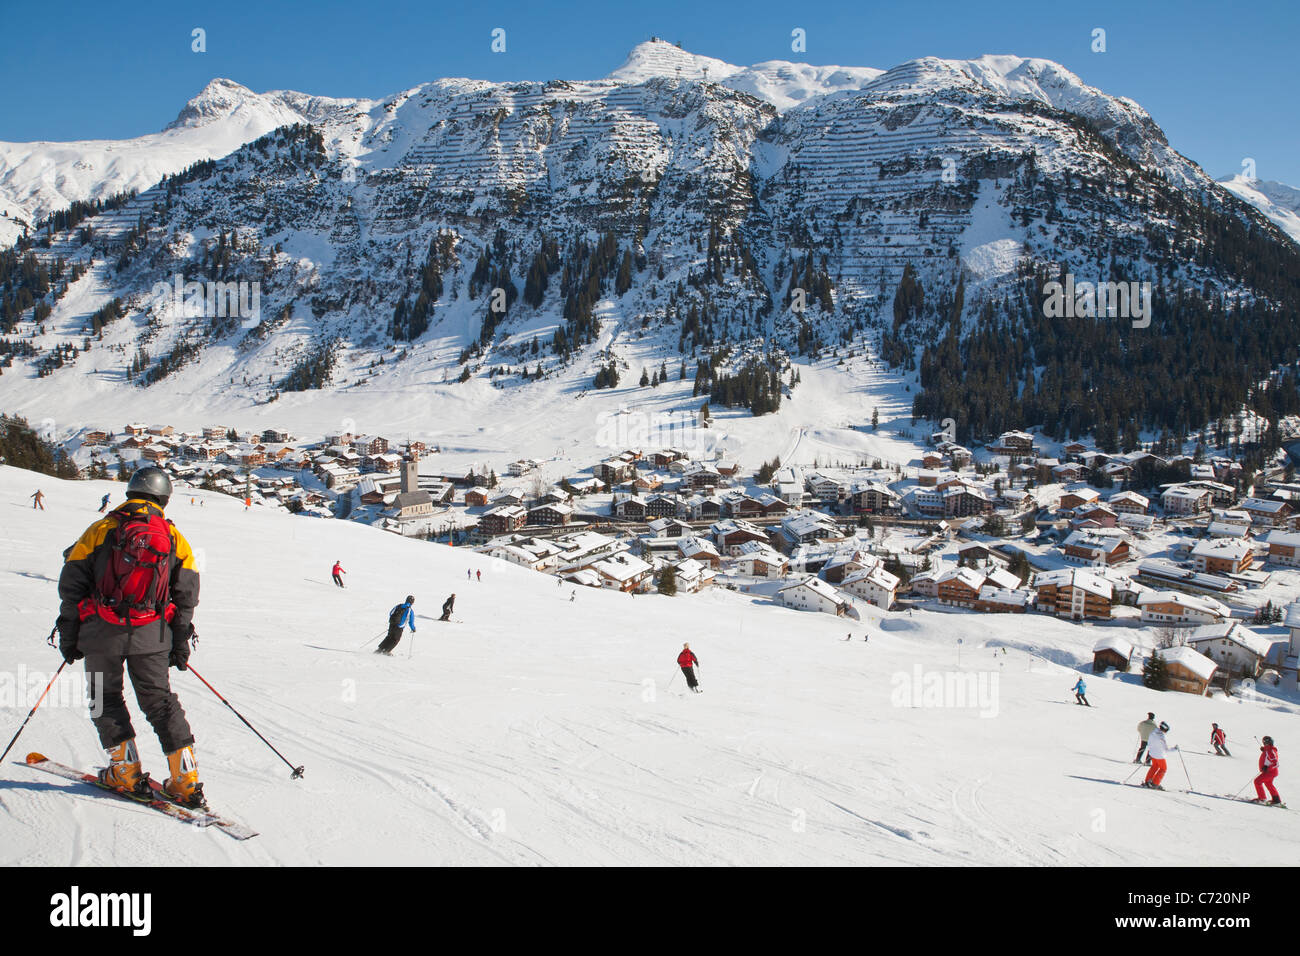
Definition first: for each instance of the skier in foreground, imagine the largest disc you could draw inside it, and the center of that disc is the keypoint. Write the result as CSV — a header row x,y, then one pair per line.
x,y
1267,773
338,572
1158,749
128,589
1144,731
1219,740
1081,693
447,607
399,617
687,661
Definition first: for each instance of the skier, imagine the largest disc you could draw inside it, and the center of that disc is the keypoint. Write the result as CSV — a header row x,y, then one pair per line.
x,y
128,589
1158,748
400,616
1144,731
687,661
103,505
478,575
1081,693
469,574
1220,741
573,596
848,636
447,606
338,573
37,499
1267,772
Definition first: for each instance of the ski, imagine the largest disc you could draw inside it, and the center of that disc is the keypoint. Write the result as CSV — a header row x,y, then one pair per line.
x,y
1235,799
156,801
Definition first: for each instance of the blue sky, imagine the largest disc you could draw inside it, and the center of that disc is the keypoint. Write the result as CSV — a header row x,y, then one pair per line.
x,y
1221,80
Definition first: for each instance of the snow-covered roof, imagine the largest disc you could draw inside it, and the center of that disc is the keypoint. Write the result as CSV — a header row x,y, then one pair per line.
x,y
1195,602
1113,642
1193,660
1233,631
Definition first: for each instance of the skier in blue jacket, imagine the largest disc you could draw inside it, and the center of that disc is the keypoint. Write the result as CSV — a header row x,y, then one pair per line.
x,y
401,616
1081,693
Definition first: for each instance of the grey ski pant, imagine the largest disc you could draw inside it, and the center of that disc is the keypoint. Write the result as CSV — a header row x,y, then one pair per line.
x,y
152,692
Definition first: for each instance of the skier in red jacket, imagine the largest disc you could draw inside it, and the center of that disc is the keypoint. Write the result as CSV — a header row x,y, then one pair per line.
x,y
1220,741
338,573
687,661
1267,772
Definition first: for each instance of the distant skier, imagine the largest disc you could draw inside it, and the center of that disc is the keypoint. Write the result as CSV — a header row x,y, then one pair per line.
x,y
687,661
848,636
1081,693
129,587
1158,747
1267,772
447,607
37,500
103,505
1219,740
338,573
1144,731
399,617
469,574
478,575
573,595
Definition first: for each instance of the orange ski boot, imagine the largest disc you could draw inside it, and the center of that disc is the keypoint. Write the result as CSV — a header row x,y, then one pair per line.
x,y
123,771
183,785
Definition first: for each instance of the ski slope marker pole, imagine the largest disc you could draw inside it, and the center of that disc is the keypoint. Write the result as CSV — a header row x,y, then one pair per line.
x,y
297,771
33,710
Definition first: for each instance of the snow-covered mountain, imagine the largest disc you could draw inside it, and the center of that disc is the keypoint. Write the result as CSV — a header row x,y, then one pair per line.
x,y
535,730
1278,201
649,217
37,179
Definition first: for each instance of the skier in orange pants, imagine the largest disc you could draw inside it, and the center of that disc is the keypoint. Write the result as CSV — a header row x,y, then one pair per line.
x,y
1157,749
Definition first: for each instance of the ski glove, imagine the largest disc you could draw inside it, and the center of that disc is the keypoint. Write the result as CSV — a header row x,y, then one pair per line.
x,y
68,631
180,655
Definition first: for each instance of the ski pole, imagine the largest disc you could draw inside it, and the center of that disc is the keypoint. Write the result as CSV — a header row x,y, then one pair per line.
x,y
1185,773
297,771
1243,787
670,680
373,639
33,710
1130,776
410,647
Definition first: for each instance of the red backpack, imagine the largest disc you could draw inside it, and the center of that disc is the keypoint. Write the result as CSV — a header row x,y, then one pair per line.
x,y
135,584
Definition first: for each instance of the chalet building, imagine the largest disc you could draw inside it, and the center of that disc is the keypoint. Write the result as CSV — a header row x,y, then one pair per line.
x,y
1268,513
1236,649
962,501
876,499
622,572
476,498
874,585
1189,671
1093,548
927,478
732,534
209,431
550,515
812,594
958,456
614,471
760,560
95,436
662,459
521,467
669,528
1073,450
703,476
136,429
630,509
661,506
702,508
502,520
808,527
772,505
1075,594
738,505
1075,498
699,549
1182,500
388,463
1174,607
1284,547
1222,556
1095,516
791,492
931,460
369,445
1069,471
511,497
995,600
977,553
1111,651
276,436
647,482
1040,468
961,587
1129,502
827,488
1017,443
843,563
693,576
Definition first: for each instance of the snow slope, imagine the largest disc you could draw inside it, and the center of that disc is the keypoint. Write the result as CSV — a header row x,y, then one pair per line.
x,y
1278,201
527,733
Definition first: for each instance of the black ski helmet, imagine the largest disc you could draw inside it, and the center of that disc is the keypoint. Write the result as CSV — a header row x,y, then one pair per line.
x,y
1268,741
410,599
1163,726
1150,716
1214,725
151,481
